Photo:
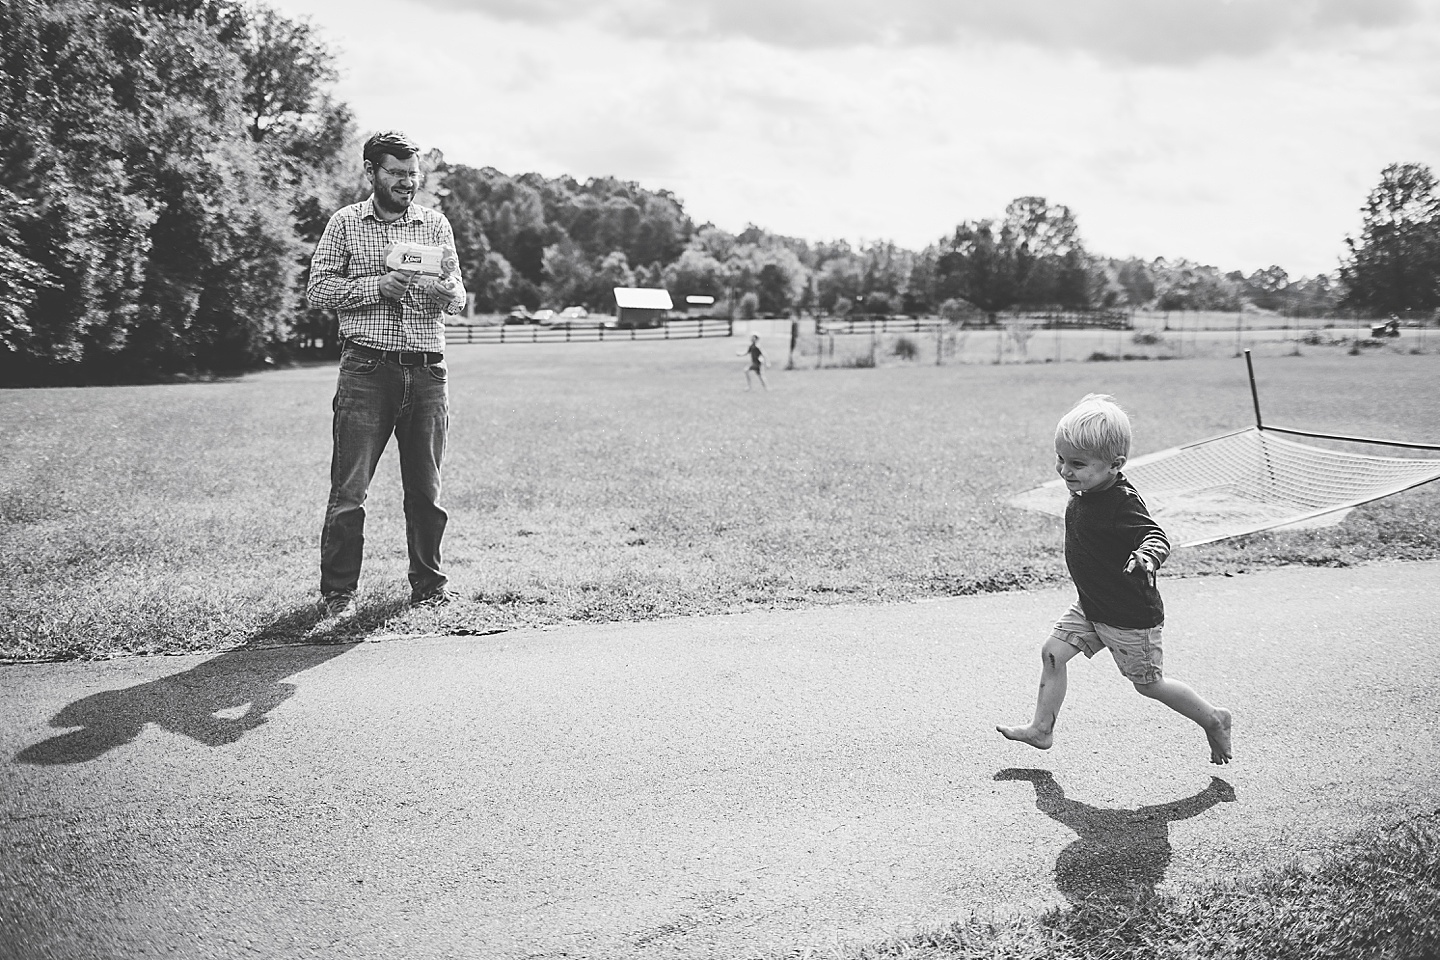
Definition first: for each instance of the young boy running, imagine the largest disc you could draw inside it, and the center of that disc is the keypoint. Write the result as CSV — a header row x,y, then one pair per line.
x,y
757,361
1112,549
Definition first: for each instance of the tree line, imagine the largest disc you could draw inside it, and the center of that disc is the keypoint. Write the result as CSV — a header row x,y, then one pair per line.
x,y
531,241
166,167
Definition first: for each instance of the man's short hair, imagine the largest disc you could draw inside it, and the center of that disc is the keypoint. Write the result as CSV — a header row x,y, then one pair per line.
x,y
1097,426
391,143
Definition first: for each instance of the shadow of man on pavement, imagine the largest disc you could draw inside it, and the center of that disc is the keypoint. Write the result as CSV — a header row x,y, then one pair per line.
x,y
1121,855
215,702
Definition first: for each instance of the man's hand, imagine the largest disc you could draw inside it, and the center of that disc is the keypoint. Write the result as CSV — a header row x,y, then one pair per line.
x,y
394,284
441,290
1142,562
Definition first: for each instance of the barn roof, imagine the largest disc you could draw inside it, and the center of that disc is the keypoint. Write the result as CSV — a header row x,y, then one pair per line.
x,y
642,298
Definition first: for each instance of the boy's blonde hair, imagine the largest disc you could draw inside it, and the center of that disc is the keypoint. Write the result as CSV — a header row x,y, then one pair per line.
x,y
1097,426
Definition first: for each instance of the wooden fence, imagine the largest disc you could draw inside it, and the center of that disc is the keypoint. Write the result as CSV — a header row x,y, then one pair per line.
x,y
679,329
1104,319
879,325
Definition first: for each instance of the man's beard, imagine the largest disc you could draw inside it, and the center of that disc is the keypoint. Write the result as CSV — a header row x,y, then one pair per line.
x,y
388,203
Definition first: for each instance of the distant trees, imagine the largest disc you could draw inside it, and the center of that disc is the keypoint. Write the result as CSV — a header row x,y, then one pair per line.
x,y
555,241
560,241
1394,265
1034,257
1184,285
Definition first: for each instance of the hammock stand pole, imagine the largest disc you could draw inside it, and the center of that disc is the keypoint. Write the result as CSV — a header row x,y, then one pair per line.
x,y
1259,427
1255,398
1254,394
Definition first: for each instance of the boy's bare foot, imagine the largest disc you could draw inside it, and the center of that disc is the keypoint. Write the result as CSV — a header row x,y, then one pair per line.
x,y
1219,737
1036,738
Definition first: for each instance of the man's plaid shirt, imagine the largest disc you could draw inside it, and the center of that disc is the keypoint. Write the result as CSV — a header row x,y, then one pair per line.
x,y
345,277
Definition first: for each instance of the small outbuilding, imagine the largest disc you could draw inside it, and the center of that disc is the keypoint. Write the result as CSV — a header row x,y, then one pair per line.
x,y
641,306
699,305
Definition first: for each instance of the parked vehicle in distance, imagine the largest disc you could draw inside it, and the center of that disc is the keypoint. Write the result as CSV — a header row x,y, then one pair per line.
x,y
519,315
543,316
579,317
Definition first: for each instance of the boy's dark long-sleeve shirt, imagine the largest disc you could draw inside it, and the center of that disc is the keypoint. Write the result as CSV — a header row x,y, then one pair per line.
x,y
1102,529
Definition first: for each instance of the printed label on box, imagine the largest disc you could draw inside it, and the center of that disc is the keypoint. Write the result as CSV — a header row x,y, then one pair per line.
x,y
415,257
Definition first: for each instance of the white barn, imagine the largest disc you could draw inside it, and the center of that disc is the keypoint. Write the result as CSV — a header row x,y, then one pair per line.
x,y
641,306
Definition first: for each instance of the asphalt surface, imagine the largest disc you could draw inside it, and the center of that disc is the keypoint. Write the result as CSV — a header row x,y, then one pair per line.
x,y
732,786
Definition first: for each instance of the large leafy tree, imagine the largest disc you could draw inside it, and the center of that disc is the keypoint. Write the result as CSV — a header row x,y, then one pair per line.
x,y
1394,265
697,273
840,278
142,231
980,263
569,277
1053,268
1266,289
1034,257
1184,285
287,68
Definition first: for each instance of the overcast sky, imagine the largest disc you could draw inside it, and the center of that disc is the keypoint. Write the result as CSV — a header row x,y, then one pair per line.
x,y
1238,133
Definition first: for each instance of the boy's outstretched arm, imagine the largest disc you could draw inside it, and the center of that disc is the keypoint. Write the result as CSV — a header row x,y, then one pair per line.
x,y
1152,546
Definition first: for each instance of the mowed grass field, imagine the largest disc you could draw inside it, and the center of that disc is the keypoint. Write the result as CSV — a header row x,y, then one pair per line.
x,y
618,481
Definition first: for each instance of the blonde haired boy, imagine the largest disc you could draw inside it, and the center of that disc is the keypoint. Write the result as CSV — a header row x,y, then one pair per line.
x,y
1112,549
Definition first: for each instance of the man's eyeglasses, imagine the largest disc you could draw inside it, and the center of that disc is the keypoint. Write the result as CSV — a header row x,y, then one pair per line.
x,y
401,173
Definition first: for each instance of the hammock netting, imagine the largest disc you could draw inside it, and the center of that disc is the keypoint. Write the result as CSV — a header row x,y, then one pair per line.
x,y
1249,481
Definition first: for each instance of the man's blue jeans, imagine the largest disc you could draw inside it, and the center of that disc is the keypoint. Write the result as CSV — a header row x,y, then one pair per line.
x,y
374,399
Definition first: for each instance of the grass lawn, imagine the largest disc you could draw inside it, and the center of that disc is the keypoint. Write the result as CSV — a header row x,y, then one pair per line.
x,y
622,481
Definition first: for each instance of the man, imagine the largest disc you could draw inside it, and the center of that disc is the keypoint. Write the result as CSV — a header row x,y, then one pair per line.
x,y
392,370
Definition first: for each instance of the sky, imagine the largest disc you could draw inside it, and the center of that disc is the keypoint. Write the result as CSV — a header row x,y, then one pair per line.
x,y
1235,133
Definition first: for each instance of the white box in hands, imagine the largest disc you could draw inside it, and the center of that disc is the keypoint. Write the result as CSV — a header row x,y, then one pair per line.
x,y
419,258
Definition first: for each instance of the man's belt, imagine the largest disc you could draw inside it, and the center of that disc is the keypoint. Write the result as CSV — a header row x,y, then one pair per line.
x,y
406,358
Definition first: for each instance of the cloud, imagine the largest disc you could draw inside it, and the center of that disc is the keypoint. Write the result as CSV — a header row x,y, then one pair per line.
x,y
1134,31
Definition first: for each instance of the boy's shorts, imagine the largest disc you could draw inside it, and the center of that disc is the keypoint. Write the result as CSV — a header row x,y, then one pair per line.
x,y
1137,651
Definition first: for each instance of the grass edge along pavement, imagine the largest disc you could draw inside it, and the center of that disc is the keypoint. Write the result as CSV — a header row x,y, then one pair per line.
x,y
1377,896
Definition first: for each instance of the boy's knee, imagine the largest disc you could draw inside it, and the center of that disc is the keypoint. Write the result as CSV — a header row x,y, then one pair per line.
x,y
1054,652
1148,688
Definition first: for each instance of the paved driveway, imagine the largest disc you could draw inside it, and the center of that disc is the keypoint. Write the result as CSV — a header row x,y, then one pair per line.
x,y
712,787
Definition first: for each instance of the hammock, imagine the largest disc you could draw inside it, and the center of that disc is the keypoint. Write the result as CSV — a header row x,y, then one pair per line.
x,y
1252,480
